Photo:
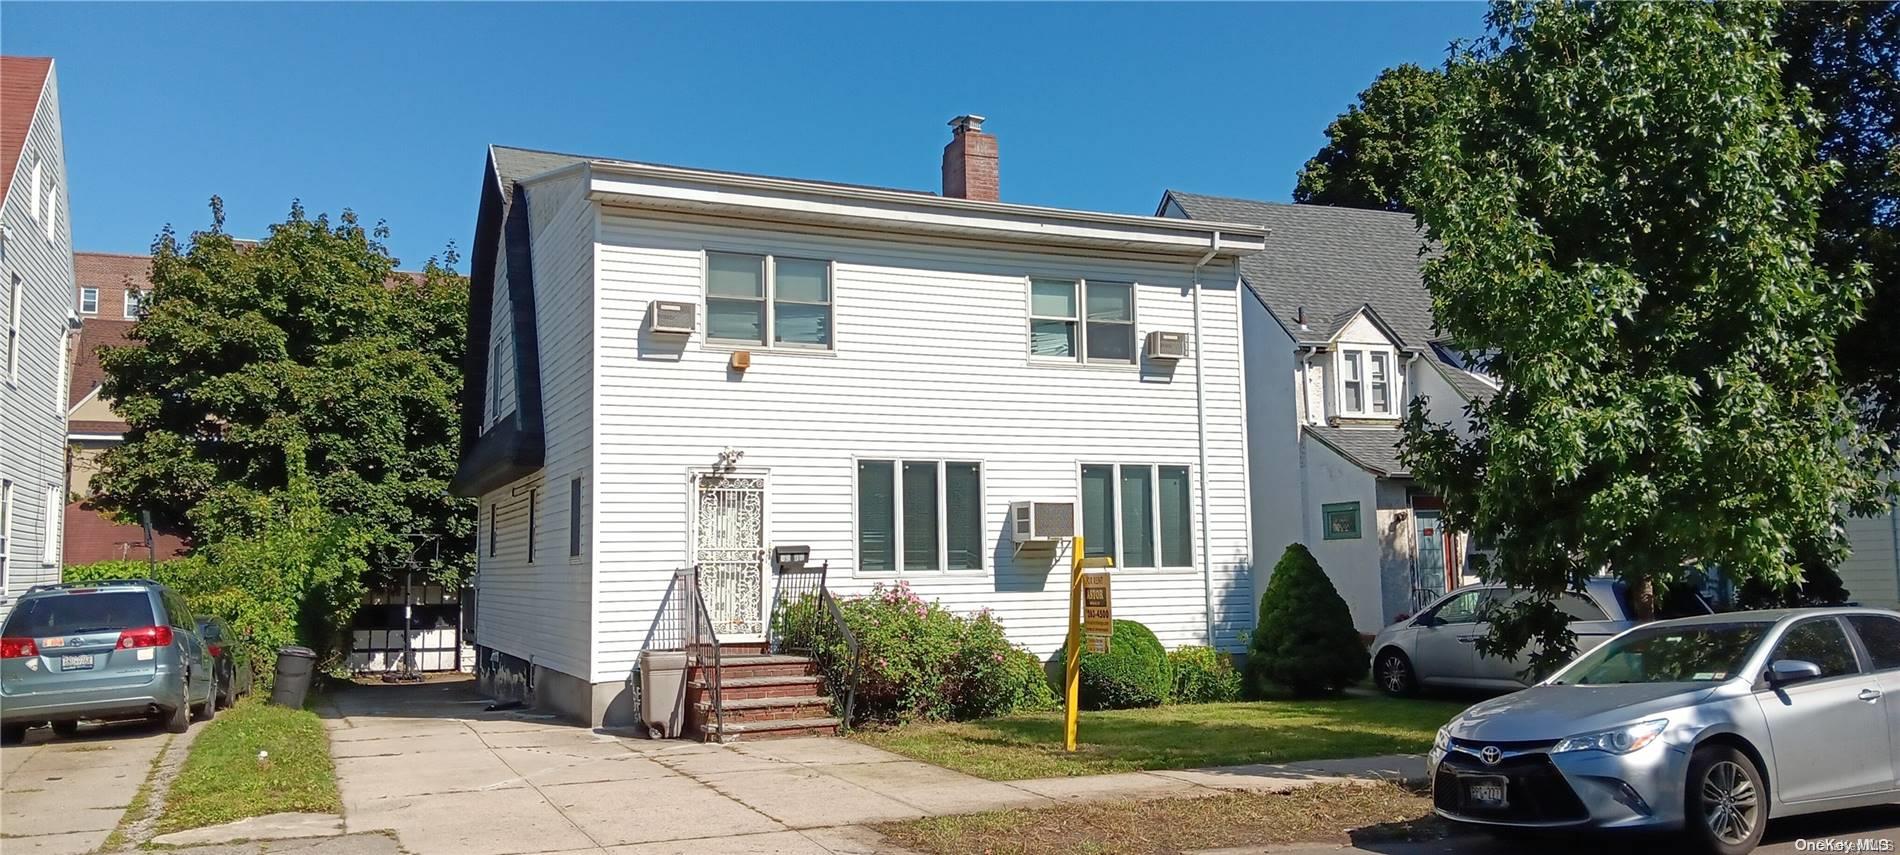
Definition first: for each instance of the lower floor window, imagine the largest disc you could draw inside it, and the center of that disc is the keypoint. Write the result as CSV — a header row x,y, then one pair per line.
x,y
1137,514
919,515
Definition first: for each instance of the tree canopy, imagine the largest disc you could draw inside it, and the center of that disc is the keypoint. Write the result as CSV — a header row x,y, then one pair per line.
x,y
1372,150
306,343
1626,201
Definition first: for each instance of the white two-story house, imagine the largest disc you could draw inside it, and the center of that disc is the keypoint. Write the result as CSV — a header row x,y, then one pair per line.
x,y
675,369
36,275
1339,340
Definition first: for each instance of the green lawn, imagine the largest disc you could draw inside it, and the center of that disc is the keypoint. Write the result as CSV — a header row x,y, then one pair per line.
x,y
1173,737
223,779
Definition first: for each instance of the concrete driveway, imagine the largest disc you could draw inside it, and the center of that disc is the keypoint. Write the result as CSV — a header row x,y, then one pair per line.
x,y
66,795
428,764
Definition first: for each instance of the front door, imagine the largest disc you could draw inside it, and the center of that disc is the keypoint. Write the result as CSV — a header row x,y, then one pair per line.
x,y
729,552
1428,573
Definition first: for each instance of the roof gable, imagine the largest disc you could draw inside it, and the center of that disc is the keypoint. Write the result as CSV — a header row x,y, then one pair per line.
x,y
22,81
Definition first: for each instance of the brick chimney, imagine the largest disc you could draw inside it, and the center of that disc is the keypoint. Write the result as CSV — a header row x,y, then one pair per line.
x,y
969,161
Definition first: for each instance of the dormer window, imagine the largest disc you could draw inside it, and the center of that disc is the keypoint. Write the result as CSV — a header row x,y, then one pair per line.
x,y
1365,382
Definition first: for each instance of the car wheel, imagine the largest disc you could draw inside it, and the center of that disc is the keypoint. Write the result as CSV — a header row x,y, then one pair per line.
x,y
66,729
1394,673
1727,807
12,734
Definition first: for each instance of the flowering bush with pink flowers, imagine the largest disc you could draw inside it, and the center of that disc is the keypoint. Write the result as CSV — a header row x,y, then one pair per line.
x,y
918,660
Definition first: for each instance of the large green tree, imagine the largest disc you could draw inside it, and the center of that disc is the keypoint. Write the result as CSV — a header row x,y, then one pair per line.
x,y
1372,150
1847,57
308,342
1625,199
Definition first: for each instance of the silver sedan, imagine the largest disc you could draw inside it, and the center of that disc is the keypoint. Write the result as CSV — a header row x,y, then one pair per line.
x,y
1710,724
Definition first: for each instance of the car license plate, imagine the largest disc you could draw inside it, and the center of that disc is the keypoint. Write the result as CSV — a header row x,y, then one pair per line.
x,y
1486,792
76,662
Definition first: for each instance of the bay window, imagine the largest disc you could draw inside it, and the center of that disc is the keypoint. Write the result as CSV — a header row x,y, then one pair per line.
x,y
1137,514
919,516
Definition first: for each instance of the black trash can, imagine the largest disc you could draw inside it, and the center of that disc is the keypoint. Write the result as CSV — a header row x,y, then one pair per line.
x,y
295,667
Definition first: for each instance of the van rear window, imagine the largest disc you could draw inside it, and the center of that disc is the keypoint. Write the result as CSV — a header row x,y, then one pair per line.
x,y
67,614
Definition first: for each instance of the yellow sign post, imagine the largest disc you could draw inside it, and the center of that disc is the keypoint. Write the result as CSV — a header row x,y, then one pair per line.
x,y
1072,682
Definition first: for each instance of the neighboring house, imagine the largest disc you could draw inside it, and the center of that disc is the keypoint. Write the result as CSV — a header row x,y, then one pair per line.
x,y
36,273
1871,572
108,287
875,374
1340,339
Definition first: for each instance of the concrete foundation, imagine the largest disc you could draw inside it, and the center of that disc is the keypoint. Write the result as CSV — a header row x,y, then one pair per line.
x,y
506,678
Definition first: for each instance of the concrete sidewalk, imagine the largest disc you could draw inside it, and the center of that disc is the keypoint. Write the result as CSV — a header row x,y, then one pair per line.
x,y
428,764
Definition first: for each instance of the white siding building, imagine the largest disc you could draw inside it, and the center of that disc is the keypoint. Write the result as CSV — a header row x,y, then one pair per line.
x,y
36,286
1339,340
875,374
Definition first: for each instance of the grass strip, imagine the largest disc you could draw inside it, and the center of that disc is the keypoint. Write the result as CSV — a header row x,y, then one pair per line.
x,y
1172,737
1332,813
225,777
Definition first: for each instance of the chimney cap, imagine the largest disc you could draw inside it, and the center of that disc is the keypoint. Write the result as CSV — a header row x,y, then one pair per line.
x,y
968,122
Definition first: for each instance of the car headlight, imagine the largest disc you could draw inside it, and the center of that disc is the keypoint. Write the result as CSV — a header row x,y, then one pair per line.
x,y
1443,740
1621,740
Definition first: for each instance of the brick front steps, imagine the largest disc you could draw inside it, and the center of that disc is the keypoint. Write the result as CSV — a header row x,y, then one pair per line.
x,y
765,696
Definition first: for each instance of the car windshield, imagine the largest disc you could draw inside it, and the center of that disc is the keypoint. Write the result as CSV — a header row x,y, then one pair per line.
x,y
1668,654
92,611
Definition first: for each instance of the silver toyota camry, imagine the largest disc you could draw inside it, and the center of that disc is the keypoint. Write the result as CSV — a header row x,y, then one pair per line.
x,y
1709,724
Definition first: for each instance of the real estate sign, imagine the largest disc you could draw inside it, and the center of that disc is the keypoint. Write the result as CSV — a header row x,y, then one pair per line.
x,y
1098,619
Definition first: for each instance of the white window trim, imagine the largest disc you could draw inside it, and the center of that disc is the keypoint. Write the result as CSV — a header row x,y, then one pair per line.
x,y
576,528
943,522
496,356
1392,384
133,301
55,509
768,297
14,289
85,292
33,202
1154,508
52,209
1081,320
6,535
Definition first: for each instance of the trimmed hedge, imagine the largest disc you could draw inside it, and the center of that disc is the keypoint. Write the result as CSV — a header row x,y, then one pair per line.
x,y
1133,673
1305,640
1203,675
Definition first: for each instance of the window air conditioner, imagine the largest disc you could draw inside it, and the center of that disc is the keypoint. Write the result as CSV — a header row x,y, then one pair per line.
x,y
1036,522
671,318
1165,345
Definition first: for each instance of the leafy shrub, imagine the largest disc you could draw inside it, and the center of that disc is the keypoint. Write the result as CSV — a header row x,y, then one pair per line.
x,y
1305,640
1203,675
296,579
916,660
1133,673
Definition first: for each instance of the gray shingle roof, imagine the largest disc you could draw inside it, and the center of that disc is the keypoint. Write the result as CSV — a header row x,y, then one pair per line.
x,y
514,164
1374,448
1332,261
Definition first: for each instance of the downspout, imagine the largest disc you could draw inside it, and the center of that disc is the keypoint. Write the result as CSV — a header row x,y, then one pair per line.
x,y
1200,417
1302,410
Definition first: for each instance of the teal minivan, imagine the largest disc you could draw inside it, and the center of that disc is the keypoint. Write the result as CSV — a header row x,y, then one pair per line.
x,y
120,649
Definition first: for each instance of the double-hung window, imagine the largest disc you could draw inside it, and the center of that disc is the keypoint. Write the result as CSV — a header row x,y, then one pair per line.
x,y
1103,330
89,301
134,304
1365,382
1137,514
919,515
756,299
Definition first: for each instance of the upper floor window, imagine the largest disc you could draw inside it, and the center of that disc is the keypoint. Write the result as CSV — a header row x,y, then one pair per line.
x,y
919,515
89,301
756,299
1137,514
1102,331
1365,382
134,304
33,197
52,209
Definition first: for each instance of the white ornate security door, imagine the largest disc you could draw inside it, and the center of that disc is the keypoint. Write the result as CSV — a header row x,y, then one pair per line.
x,y
729,550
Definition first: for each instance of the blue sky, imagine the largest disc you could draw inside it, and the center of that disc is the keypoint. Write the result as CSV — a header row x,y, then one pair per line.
x,y
387,108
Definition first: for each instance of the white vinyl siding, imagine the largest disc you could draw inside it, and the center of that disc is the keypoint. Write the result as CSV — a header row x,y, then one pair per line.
x,y
542,609
32,428
927,363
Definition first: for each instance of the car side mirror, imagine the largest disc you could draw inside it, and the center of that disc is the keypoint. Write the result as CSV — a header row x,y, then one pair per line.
x,y
1787,672
1425,620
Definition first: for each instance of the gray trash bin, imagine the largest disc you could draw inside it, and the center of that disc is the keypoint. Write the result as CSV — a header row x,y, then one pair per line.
x,y
295,667
663,692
